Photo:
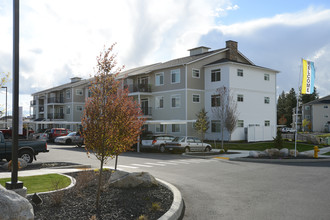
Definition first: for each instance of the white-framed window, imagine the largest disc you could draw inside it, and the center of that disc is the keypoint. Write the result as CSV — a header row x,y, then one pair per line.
x,y
159,101
175,128
266,77
307,107
159,79
240,72
267,123
266,100
79,108
215,126
195,73
215,100
79,92
68,110
240,98
240,123
176,101
68,93
325,106
159,128
175,76
196,98
215,75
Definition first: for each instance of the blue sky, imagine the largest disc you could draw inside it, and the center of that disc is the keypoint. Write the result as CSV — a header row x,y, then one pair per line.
x,y
61,39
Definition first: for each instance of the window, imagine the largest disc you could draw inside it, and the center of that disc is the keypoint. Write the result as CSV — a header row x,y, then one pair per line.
x,y
196,98
195,73
240,123
175,128
159,128
267,123
68,93
240,72
175,76
68,110
215,100
267,100
159,102
79,108
89,93
325,106
215,126
240,98
308,117
176,103
266,77
326,116
215,75
79,92
159,79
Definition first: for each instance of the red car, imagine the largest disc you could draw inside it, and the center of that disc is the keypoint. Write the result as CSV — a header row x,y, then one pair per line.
x,y
57,132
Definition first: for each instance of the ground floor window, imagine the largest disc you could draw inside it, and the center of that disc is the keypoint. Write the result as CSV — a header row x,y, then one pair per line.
x,y
159,128
175,128
215,126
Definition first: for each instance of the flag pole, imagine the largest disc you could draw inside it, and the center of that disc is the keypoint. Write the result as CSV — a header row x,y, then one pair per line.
x,y
297,107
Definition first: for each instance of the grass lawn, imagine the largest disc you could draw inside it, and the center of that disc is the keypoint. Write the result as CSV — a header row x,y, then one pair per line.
x,y
327,153
41,183
261,146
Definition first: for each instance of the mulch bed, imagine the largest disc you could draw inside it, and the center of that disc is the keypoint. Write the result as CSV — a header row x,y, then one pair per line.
x,y
79,202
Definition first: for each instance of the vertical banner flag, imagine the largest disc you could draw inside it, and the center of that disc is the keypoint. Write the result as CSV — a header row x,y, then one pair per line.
x,y
308,77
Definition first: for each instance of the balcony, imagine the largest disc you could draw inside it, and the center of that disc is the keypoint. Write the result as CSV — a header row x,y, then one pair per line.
x,y
146,111
33,102
53,116
54,100
138,88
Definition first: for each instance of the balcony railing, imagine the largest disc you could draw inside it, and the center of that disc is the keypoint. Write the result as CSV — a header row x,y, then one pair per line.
x,y
55,100
139,87
53,116
146,111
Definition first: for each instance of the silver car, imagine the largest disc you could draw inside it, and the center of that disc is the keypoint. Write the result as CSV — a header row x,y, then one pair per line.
x,y
188,144
71,138
156,142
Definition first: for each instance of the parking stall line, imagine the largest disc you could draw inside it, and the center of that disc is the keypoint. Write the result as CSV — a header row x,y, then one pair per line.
x,y
170,163
140,165
181,162
124,166
157,164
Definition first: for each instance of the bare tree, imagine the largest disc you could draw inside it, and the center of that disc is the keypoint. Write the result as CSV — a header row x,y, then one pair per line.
x,y
224,108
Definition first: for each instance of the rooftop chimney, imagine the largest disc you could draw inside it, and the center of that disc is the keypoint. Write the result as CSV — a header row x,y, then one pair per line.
x,y
75,79
232,53
198,50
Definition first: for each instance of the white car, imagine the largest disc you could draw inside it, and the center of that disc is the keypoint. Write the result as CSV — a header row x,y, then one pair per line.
x,y
188,144
71,138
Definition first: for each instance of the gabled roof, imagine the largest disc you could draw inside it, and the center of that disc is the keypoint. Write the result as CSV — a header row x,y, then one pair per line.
x,y
323,100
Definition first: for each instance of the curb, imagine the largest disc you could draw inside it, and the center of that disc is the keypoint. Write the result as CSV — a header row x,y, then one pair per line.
x,y
177,208
281,160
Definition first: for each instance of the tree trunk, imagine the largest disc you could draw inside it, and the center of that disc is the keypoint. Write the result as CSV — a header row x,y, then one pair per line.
x,y
99,186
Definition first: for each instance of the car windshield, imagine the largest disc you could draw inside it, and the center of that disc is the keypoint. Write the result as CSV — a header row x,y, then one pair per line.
x,y
178,139
72,134
148,137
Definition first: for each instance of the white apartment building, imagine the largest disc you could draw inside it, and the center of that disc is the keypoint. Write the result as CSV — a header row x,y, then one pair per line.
x,y
173,92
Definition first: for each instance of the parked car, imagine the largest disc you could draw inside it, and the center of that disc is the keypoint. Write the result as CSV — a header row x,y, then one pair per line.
x,y
53,133
187,144
288,130
156,142
27,150
71,138
7,133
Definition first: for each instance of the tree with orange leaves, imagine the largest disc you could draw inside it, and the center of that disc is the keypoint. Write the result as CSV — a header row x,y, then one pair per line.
x,y
112,120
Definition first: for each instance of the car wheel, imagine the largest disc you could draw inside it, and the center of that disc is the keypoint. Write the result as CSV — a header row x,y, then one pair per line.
x,y
68,141
207,149
187,150
162,149
26,155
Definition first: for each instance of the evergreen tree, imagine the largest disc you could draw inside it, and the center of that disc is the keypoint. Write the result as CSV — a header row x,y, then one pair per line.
x,y
305,98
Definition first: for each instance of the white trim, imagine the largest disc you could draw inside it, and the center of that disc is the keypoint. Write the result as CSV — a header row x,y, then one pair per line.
x,y
161,74
177,95
212,54
168,122
199,98
176,73
186,98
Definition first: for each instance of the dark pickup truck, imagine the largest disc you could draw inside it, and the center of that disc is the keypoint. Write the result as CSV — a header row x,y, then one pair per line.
x,y
27,150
